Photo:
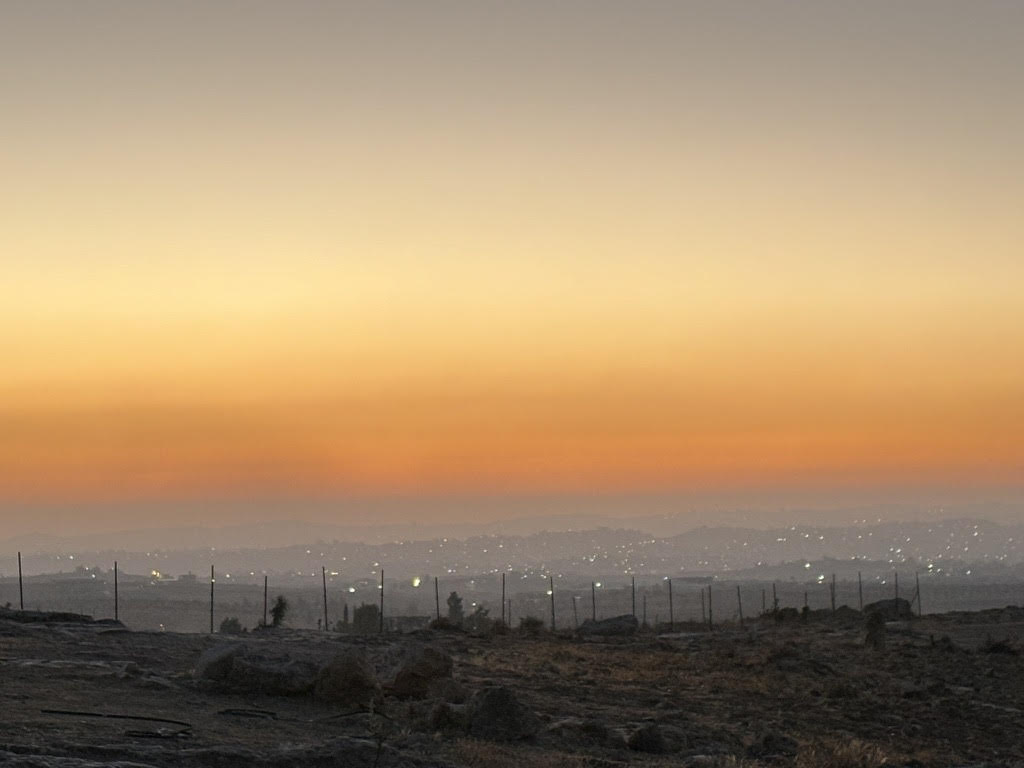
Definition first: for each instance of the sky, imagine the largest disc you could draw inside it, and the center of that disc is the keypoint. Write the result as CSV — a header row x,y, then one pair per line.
x,y
266,252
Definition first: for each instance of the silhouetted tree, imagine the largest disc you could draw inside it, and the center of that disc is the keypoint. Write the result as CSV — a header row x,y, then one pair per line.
x,y
455,614
278,611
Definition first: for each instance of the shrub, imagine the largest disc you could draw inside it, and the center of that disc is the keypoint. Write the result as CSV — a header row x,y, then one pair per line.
x,y
531,625
278,611
366,619
231,626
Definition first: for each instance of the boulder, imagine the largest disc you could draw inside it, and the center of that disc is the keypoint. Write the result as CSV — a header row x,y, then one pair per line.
x,y
423,667
275,677
648,738
893,609
613,627
497,714
216,663
348,678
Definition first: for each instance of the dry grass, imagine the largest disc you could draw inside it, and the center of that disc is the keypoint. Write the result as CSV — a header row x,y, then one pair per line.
x,y
841,754
485,754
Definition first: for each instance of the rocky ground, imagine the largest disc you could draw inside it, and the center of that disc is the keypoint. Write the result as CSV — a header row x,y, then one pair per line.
x,y
939,691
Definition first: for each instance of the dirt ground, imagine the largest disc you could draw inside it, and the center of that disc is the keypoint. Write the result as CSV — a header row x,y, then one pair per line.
x,y
944,691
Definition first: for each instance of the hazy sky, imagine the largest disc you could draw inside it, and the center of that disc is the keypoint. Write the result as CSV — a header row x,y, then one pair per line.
x,y
304,249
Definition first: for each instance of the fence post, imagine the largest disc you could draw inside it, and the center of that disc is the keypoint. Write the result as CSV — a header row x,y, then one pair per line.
x,y
382,601
739,603
116,612
503,600
593,601
21,585
212,579
644,596
671,613
437,600
634,596
551,583
775,599
323,571
264,600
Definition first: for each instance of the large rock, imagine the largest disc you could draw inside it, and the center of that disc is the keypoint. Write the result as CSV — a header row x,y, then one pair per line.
x,y
216,663
497,714
415,678
615,626
647,738
240,668
274,677
348,679
893,609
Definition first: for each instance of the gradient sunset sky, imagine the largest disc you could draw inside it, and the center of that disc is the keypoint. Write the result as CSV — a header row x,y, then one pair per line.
x,y
306,250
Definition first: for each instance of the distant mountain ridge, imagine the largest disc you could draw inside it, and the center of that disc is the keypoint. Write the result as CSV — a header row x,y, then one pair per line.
x,y
595,551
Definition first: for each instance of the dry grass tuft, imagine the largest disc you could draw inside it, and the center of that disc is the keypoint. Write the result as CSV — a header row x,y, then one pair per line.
x,y
841,754
485,754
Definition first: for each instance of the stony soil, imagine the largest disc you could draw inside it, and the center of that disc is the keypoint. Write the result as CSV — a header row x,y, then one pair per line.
x,y
945,691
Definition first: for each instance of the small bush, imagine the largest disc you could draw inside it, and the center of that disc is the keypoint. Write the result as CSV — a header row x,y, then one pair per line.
x,y
531,625
278,611
231,626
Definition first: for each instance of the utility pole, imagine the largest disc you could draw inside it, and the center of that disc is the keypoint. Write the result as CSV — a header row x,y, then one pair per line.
x,y
593,602
382,601
116,616
264,600
21,585
503,600
917,578
860,592
575,616
437,600
634,597
833,593
739,603
711,618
